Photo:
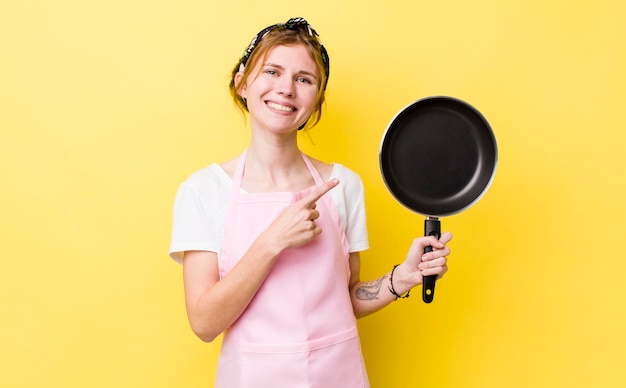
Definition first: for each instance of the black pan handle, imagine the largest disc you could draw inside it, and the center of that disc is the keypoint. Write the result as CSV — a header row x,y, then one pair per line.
x,y
432,227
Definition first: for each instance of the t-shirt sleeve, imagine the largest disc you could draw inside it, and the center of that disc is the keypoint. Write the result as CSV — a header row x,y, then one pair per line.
x,y
193,225
351,203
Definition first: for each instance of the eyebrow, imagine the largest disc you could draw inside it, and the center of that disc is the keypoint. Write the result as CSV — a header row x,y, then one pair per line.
x,y
304,72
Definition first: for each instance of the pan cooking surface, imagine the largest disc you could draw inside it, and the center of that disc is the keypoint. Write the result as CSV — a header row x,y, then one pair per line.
x,y
438,156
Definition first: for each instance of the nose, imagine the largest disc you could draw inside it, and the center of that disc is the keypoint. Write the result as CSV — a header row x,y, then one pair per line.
x,y
285,86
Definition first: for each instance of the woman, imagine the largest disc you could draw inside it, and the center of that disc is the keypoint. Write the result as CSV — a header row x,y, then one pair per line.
x,y
270,240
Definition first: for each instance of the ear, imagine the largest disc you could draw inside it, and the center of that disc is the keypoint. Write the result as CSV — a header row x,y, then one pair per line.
x,y
241,89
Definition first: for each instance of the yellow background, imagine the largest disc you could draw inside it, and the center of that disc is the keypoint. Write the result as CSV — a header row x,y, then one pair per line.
x,y
106,106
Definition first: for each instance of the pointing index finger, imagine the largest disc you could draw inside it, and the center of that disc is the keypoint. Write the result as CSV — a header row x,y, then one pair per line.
x,y
318,192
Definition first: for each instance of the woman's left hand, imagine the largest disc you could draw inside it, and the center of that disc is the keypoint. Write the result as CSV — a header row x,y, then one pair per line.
x,y
419,264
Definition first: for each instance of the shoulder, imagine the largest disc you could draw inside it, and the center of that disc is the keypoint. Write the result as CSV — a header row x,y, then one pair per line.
x,y
202,196
347,176
336,170
207,181
229,166
325,169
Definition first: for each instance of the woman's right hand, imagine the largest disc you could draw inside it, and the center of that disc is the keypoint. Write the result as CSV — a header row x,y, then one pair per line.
x,y
295,226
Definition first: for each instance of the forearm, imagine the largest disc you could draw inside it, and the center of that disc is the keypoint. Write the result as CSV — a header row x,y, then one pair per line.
x,y
215,307
369,297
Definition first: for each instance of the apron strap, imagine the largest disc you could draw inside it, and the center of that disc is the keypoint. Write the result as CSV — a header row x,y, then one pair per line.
x,y
235,186
314,173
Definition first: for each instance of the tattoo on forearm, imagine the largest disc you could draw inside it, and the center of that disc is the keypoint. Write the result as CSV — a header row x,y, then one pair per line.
x,y
369,290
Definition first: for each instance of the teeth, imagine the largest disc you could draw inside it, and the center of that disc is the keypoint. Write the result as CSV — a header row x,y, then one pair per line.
x,y
274,105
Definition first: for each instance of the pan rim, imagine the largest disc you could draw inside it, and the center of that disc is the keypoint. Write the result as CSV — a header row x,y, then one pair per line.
x,y
391,128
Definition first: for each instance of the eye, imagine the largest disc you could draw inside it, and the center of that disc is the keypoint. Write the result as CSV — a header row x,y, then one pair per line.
x,y
271,72
304,80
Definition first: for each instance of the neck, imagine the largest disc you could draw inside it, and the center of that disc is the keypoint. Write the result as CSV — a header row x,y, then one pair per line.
x,y
275,165
278,152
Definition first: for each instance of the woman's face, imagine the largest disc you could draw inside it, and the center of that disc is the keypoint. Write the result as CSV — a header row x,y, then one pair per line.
x,y
281,92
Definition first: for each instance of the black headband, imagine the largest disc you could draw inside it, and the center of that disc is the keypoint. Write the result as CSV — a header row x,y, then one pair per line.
x,y
295,24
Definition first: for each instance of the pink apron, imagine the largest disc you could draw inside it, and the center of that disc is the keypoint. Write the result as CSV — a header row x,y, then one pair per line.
x,y
299,330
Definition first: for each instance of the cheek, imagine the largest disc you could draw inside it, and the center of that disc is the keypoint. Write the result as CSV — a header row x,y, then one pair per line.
x,y
317,102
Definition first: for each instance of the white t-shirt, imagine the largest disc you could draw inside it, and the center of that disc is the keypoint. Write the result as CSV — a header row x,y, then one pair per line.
x,y
201,202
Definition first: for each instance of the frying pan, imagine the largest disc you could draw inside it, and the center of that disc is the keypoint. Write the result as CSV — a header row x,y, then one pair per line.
x,y
438,157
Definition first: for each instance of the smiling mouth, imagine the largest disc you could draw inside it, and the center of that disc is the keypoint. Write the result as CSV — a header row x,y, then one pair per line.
x,y
282,108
